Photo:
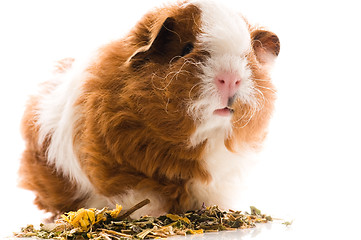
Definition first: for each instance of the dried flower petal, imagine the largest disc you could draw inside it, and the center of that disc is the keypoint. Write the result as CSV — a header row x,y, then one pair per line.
x,y
114,213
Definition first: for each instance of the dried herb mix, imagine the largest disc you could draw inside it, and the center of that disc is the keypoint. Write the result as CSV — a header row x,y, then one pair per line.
x,y
107,224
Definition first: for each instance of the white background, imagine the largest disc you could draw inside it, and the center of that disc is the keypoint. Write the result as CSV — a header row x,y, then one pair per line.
x,y
310,164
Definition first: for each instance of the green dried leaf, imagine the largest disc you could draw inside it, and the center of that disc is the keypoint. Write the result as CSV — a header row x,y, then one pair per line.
x,y
287,223
255,211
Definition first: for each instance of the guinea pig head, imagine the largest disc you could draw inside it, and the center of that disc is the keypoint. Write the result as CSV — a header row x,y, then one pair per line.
x,y
208,72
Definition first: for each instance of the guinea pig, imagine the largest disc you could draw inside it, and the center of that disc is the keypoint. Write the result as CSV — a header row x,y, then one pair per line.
x,y
170,112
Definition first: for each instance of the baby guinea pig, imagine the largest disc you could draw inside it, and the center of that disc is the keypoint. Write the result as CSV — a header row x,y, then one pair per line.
x,y
170,112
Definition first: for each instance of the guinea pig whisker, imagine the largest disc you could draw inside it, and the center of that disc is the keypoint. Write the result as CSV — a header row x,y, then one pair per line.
x,y
190,91
174,59
270,89
175,75
240,118
262,95
254,108
249,119
260,80
253,112
152,81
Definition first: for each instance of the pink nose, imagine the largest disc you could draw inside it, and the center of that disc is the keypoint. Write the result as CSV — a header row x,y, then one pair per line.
x,y
227,84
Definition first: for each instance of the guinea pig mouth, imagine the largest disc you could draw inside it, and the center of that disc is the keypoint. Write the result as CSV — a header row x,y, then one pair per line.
x,y
223,112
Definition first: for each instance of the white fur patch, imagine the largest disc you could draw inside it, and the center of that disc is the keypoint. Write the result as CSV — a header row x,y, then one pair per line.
x,y
132,197
56,118
228,171
224,30
226,37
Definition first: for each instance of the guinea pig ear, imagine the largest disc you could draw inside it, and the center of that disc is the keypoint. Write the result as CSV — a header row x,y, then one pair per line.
x,y
266,46
157,47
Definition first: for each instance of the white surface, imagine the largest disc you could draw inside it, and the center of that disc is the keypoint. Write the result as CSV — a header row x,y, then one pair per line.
x,y
272,231
262,231
310,165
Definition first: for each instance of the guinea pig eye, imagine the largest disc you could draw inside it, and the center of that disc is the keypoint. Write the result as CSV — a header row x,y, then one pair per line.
x,y
187,49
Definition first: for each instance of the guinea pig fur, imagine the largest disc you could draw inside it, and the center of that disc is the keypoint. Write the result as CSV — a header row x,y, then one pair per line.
x,y
170,112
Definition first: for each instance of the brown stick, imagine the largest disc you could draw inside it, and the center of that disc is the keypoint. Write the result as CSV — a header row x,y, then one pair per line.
x,y
133,209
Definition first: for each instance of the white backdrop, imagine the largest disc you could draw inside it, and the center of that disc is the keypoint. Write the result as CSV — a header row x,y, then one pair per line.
x,y
310,163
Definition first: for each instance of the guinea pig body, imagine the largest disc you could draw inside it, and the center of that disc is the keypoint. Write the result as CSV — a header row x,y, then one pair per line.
x,y
170,112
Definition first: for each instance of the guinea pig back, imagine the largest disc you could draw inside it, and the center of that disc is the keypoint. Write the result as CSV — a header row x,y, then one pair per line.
x,y
170,112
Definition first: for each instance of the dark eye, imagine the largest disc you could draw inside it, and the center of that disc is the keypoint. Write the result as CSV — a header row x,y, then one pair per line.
x,y
187,49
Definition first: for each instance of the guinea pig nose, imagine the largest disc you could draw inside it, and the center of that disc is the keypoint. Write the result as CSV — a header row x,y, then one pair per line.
x,y
227,85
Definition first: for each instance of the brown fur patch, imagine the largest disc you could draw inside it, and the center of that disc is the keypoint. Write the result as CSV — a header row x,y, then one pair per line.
x,y
53,191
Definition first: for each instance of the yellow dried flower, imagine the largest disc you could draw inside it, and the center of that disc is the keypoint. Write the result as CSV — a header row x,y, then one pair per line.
x,y
174,217
191,231
83,218
114,213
